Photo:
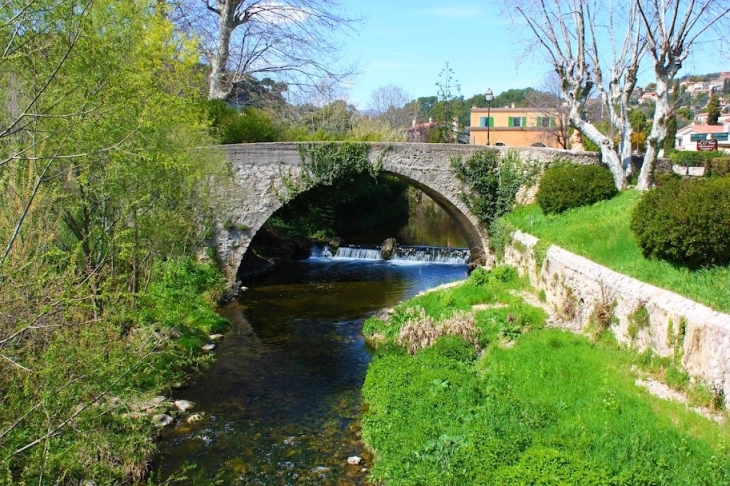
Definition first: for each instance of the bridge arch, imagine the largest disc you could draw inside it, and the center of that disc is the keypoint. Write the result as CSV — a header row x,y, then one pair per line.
x,y
260,170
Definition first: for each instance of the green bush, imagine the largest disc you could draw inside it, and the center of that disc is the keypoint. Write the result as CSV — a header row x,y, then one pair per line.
x,y
232,126
717,167
694,159
566,186
686,222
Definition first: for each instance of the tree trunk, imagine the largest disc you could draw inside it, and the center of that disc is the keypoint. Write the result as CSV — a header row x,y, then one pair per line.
x,y
655,141
220,86
605,144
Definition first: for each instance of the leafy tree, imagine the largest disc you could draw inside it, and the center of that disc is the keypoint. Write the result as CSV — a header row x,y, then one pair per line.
x,y
713,110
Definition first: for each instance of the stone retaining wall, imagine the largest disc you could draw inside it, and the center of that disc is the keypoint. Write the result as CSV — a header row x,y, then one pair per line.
x,y
575,287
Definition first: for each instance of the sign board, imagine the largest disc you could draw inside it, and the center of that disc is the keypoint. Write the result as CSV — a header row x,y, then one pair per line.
x,y
703,145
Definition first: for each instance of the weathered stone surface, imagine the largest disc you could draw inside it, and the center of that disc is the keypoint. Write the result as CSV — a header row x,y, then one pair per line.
x,y
257,188
387,248
575,285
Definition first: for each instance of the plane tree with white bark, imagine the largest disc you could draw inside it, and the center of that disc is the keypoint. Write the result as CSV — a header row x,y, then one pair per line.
x,y
295,41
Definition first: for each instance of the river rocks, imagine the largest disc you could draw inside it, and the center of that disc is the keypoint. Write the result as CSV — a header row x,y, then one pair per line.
x,y
215,337
194,418
354,460
334,244
184,405
208,347
148,405
387,248
161,420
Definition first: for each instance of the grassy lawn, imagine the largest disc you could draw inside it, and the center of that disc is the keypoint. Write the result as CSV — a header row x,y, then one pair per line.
x,y
601,233
546,408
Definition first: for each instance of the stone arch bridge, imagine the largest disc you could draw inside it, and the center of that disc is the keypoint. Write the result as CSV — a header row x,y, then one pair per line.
x,y
258,169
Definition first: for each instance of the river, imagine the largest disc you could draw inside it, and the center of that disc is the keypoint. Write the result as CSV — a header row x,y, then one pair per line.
x,y
281,403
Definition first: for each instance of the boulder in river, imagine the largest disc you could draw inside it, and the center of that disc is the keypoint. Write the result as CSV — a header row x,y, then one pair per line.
x,y
387,249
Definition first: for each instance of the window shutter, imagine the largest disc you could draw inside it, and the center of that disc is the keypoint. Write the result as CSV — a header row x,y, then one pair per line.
x,y
539,121
511,122
552,122
524,121
482,121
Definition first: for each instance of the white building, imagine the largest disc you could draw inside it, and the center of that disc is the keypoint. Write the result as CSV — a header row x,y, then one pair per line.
x,y
688,136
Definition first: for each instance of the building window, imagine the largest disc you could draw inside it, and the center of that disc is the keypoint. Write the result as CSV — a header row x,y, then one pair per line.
x,y
483,121
697,136
545,122
516,121
722,137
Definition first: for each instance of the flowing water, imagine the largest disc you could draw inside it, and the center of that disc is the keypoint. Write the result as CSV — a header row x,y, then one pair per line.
x,y
281,403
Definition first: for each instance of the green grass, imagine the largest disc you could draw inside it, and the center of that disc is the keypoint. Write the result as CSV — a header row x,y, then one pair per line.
x,y
601,233
555,408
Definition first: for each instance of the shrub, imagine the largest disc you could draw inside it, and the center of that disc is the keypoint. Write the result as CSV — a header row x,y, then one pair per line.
x,y
717,167
694,159
686,222
566,186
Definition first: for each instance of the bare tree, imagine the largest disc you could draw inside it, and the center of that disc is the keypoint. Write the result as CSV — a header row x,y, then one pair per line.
x,y
548,102
388,103
673,28
560,29
622,74
290,39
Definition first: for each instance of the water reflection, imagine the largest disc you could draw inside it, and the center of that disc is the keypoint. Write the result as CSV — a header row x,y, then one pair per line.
x,y
281,404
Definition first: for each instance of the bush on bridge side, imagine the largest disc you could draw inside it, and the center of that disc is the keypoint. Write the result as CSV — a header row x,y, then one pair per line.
x,y
565,186
686,222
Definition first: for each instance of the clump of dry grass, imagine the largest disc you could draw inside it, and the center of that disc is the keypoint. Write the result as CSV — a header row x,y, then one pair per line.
x,y
421,330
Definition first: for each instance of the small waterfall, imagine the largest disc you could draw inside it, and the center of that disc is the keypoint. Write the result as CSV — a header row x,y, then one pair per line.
x,y
358,253
424,254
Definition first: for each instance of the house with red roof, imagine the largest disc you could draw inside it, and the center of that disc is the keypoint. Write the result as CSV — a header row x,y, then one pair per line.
x,y
687,137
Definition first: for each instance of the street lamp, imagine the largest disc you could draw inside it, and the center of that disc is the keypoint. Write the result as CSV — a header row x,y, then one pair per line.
x,y
489,97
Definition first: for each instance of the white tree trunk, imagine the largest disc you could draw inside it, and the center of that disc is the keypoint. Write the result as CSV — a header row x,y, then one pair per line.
x,y
220,85
658,133
605,145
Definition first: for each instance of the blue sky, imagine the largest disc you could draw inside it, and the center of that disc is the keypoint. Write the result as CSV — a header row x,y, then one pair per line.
x,y
407,43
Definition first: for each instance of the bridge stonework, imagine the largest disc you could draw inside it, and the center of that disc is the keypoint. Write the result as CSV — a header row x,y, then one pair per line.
x,y
258,169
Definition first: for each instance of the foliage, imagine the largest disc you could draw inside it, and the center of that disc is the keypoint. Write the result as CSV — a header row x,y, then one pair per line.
x,y
566,186
713,109
500,235
445,107
554,407
339,192
694,158
686,222
232,126
601,233
493,181
102,179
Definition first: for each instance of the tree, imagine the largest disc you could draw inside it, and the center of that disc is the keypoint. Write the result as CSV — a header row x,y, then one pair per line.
x,y
726,86
624,67
445,106
292,40
389,103
713,109
560,29
672,29
548,102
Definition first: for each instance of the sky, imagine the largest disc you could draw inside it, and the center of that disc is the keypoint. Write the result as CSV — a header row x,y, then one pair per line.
x,y
407,43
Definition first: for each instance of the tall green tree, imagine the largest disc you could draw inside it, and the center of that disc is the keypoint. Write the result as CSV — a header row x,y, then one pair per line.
x,y
713,109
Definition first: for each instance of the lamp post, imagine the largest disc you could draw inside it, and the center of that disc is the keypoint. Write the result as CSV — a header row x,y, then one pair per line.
x,y
489,97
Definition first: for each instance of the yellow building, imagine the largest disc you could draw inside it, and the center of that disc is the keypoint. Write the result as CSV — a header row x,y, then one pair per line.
x,y
516,127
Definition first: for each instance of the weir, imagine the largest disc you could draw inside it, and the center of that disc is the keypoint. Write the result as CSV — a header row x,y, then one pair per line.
x,y
423,254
